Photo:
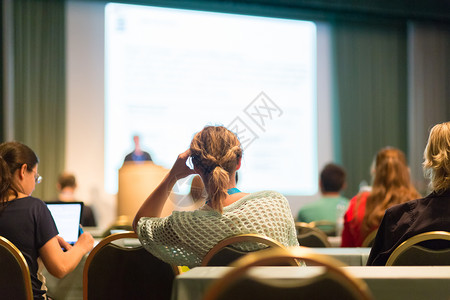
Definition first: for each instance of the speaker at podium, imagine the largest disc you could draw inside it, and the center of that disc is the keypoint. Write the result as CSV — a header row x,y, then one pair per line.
x,y
136,181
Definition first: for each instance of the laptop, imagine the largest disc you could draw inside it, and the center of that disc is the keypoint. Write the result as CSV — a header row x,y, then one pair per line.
x,y
67,216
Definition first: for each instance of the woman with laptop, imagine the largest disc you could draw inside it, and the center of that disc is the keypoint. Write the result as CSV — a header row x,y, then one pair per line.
x,y
26,221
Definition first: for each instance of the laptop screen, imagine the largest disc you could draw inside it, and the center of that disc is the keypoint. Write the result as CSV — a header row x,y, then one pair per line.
x,y
67,216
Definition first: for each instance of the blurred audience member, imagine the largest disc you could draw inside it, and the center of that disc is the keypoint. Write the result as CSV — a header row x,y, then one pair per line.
x,y
197,192
327,208
66,186
138,154
391,185
431,213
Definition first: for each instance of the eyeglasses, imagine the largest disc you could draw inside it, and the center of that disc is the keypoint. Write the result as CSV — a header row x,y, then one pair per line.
x,y
37,178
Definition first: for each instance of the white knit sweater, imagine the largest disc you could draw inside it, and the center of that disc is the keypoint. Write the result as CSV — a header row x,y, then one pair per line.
x,y
185,237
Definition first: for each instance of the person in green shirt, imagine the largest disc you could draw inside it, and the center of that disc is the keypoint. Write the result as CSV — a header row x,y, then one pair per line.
x,y
331,206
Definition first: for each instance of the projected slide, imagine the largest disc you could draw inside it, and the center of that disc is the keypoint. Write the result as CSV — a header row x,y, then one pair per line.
x,y
170,72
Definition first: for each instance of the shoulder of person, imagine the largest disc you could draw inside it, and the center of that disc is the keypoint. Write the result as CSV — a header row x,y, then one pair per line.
x,y
38,201
265,196
34,203
344,199
399,209
311,205
186,214
360,196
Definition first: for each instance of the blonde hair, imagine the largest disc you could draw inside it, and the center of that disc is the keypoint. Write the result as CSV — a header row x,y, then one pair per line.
x,y
437,157
216,151
391,185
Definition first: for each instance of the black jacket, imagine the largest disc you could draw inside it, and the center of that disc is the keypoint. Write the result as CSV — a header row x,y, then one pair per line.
x,y
405,220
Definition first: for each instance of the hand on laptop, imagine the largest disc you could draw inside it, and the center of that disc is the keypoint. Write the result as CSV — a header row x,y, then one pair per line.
x,y
86,241
64,245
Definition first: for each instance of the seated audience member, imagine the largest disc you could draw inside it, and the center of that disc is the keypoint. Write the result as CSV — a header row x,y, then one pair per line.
x,y
197,191
195,198
184,238
197,194
422,215
66,186
28,224
137,155
391,185
332,181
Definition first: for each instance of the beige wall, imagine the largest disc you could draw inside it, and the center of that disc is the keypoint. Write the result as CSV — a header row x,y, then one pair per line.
x,y
85,106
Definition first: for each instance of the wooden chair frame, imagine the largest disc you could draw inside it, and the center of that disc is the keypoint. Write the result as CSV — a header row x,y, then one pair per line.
x,y
278,255
322,223
315,231
5,243
100,245
368,241
249,237
422,237
319,223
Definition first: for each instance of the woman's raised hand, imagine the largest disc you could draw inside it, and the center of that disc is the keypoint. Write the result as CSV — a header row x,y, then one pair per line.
x,y
153,206
63,243
180,169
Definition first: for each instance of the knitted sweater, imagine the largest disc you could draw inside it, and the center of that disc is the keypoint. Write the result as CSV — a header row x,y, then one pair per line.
x,y
185,237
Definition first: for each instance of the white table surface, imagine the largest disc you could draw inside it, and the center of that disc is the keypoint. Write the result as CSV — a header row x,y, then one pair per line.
x,y
335,241
385,283
349,256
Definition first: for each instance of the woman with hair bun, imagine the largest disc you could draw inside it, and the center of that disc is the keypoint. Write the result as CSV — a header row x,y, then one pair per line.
x,y
431,213
391,185
184,238
28,224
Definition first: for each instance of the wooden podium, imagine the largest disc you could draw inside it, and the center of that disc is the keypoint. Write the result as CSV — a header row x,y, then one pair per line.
x,y
136,181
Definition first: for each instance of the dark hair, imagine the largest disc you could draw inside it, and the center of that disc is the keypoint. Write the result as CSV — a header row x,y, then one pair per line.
x,y
332,178
13,155
67,180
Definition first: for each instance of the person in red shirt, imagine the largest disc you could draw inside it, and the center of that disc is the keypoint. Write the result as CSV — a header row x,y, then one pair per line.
x,y
391,185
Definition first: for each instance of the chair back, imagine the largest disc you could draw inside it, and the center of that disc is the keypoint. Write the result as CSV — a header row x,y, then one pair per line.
x,y
333,283
415,252
327,227
117,270
122,224
15,280
310,236
223,253
370,239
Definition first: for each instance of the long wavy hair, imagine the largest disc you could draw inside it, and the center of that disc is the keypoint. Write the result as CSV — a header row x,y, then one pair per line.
x,y
437,158
391,185
216,151
13,155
